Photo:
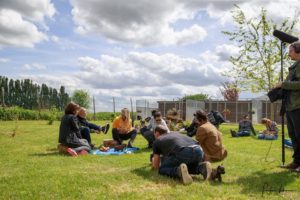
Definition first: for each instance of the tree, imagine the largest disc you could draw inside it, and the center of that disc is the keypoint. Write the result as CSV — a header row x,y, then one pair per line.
x,y
230,91
82,98
197,97
257,67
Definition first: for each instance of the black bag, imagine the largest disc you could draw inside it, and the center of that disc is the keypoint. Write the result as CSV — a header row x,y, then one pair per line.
x,y
275,94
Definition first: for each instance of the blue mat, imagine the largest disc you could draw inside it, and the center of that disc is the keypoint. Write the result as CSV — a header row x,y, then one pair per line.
x,y
112,151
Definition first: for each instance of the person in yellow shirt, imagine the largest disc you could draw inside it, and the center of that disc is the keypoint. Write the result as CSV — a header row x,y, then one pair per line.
x,y
122,128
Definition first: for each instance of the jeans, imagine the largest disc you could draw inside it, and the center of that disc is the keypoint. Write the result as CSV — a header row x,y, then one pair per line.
x,y
148,135
120,137
293,125
191,156
85,133
243,133
267,137
93,126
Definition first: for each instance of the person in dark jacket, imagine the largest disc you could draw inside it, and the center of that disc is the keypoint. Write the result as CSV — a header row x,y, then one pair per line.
x,y
86,126
69,131
245,128
292,104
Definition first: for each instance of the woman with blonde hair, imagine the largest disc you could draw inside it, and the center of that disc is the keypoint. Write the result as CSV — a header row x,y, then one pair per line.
x,y
271,133
122,128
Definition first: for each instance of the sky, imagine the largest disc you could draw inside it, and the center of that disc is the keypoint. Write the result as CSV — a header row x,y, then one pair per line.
x,y
139,49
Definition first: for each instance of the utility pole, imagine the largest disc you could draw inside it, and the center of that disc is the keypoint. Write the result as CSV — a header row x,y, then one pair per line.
x,y
94,108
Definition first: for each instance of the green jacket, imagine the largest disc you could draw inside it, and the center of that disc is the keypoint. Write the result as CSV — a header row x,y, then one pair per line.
x,y
293,87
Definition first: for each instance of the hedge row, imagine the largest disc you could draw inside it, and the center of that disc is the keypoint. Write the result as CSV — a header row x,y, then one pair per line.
x,y
17,113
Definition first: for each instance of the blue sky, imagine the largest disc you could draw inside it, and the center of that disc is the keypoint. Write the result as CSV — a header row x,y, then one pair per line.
x,y
124,48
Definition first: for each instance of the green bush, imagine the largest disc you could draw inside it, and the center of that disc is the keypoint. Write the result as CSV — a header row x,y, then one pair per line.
x,y
17,113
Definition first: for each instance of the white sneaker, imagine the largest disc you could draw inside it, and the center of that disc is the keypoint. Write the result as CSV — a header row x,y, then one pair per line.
x,y
206,170
183,173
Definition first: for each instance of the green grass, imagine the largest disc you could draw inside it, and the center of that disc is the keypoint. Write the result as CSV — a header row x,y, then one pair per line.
x,y
31,168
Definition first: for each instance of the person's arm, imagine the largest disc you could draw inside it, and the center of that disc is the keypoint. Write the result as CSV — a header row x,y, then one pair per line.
x,y
252,128
292,85
74,123
240,126
155,161
200,135
165,125
151,123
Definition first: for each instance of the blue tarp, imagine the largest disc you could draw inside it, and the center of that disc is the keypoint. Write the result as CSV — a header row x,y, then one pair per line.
x,y
112,151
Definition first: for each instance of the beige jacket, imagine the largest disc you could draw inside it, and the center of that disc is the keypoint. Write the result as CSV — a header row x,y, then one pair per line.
x,y
210,139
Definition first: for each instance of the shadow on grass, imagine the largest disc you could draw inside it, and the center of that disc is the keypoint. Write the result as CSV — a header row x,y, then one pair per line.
x,y
47,154
144,150
262,181
146,172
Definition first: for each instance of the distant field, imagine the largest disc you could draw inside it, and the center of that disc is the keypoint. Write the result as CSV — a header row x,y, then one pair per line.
x,y
31,168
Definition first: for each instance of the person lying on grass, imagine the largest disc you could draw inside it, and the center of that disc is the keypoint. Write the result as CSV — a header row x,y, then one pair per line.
x,y
245,128
271,132
70,137
122,128
178,156
86,127
209,138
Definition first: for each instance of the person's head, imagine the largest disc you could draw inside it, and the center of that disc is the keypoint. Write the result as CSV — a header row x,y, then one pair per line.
x,y
294,51
153,112
159,130
125,114
245,117
82,112
265,121
157,117
200,116
72,108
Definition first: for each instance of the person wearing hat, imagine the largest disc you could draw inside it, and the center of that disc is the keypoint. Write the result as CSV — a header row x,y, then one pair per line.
x,y
245,128
292,104
209,138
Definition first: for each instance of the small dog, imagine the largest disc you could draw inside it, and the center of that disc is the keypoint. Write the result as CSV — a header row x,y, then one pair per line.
x,y
216,174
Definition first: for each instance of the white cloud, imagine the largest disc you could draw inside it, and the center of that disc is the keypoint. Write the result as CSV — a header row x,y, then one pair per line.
x,y
145,70
224,51
277,10
55,38
34,66
34,10
4,60
140,22
17,22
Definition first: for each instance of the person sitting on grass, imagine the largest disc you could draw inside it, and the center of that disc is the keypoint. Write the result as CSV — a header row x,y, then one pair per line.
x,y
70,138
209,138
271,133
148,131
174,122
245,128
86,127
122,128
178,156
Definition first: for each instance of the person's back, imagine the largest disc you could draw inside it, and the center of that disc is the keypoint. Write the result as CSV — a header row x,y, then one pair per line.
x,y
172,142
68,126
210,139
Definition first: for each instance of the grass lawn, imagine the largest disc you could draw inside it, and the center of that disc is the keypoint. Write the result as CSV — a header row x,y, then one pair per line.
x,y
31,168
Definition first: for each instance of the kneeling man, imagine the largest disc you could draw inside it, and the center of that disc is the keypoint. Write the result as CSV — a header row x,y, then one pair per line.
x,y
209,138
181,156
